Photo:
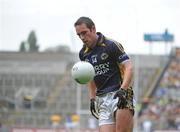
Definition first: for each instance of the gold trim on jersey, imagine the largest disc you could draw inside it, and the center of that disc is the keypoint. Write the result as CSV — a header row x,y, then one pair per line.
x,y
101,44
119,45
86,49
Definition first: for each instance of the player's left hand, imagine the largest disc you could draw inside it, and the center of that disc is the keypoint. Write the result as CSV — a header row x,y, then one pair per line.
x,y
122,95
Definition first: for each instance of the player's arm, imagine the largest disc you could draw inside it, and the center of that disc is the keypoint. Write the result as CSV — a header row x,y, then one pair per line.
x,y
125,65
128,74
92,96
127,77
92,89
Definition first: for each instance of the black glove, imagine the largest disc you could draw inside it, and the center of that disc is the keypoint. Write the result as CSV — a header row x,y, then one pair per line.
x,y
93,108
122,95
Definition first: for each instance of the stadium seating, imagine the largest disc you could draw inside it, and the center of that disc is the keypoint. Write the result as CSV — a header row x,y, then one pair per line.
x,y
163,107
39,85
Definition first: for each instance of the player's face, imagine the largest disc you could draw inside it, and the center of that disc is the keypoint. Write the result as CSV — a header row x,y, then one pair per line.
x,y
88,36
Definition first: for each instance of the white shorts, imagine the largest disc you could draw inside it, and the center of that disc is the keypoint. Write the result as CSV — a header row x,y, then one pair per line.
x,y
106,106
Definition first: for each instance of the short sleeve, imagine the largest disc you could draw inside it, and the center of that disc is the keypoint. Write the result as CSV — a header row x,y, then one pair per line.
x,y
118,53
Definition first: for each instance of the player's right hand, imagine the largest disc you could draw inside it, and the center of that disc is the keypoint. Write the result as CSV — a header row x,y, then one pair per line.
x,y
93,108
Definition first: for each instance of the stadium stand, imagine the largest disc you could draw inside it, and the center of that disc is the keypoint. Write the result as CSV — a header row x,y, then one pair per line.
x,y
26,81
35,86
163,106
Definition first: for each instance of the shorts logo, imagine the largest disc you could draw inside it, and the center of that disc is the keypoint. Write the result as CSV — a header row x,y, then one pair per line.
x,y
104,56
94,58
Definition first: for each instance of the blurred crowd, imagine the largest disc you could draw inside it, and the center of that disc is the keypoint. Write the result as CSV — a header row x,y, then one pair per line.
x,y
161,114
162,111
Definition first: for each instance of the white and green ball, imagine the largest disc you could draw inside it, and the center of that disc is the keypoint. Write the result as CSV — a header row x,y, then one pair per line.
x,y
83,72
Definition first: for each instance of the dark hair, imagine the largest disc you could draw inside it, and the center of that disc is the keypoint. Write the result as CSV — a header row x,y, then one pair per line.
x,y
86,20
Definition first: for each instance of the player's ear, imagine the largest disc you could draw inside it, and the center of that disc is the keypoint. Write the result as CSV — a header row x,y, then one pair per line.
x,y
93,29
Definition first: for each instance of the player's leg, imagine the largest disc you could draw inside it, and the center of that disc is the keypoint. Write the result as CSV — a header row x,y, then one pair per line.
x,y
124,120
107,128
106,115
124,117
